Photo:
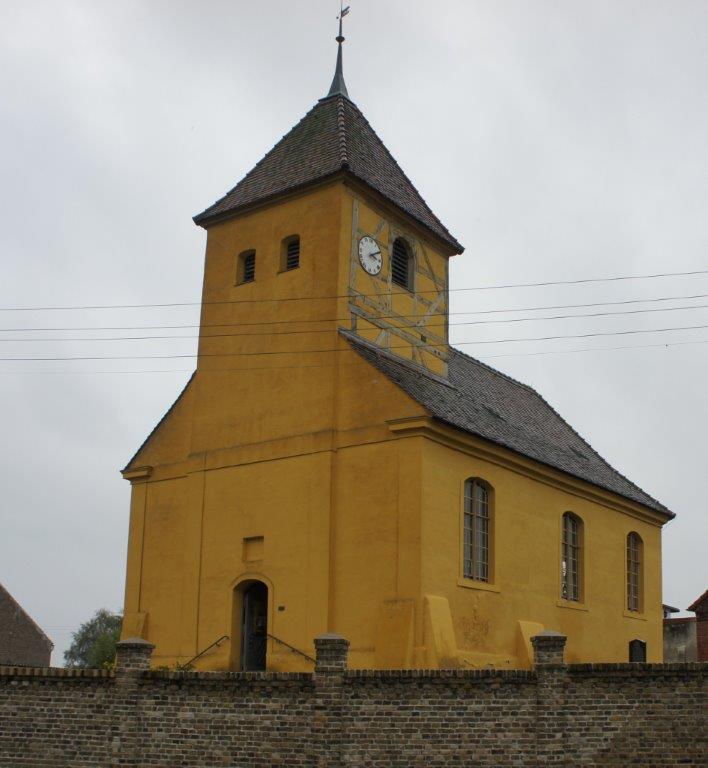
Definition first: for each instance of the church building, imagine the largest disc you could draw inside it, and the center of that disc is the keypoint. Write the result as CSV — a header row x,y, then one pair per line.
x,y
333,465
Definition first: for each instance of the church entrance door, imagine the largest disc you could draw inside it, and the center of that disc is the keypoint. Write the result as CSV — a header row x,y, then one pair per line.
x,y
254,627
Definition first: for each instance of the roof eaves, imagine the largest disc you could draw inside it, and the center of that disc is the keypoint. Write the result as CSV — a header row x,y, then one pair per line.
x,y
659,506
159,423
207,221
451,239
655,506
205,215
697,603
352,338
268,199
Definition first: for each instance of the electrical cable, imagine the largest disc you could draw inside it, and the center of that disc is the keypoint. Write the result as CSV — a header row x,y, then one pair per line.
x,y
663,345
346,296
320,351
428,327
345,319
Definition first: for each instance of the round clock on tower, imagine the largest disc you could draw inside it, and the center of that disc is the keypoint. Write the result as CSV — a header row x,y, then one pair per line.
x,y
370,255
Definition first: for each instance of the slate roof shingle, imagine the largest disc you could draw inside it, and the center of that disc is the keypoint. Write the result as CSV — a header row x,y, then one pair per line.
x,y
484,402
334,136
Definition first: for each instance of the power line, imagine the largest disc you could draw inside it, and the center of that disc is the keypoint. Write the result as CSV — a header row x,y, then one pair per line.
x,y
347,295
319,351
330,330
662,345
345,319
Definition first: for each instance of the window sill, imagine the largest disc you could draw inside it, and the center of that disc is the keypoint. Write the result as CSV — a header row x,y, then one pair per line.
x,y
638,615
572,604
474,584
284,269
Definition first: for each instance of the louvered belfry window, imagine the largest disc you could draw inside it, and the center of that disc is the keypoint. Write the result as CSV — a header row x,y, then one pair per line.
x,y
570,560
291,253
476,530
402,264
246,270
634,572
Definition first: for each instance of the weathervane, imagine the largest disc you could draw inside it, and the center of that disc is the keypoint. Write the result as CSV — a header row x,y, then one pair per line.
x,y
338,87
342,13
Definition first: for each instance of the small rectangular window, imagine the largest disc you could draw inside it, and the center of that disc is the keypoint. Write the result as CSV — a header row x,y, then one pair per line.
x,y
246,267
290,254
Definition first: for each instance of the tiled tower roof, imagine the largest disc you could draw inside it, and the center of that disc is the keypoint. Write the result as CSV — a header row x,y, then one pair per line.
x,y
333,137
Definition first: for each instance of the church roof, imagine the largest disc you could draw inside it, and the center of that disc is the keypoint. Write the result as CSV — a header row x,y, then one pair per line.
x,y
333,137
484,402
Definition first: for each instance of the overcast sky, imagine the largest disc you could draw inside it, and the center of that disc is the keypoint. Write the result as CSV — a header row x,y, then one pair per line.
x,y
557,139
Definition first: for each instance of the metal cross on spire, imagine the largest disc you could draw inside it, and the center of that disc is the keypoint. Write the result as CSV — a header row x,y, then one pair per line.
x,y
338,86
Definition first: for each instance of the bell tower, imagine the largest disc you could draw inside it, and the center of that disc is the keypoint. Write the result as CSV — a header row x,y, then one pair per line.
x,y
237,492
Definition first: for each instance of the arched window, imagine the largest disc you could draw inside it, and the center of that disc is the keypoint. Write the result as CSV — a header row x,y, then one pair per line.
x,y
571,557
246,267
477,529
402,264
634,572
290,253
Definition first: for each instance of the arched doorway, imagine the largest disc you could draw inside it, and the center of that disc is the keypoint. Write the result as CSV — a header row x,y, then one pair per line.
x,y
254,627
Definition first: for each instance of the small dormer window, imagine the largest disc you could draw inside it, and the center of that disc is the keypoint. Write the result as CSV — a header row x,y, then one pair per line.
x,y
290,254
246,267
402,264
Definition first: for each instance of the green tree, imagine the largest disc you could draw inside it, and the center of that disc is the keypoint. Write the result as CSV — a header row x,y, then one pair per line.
x,y
94,642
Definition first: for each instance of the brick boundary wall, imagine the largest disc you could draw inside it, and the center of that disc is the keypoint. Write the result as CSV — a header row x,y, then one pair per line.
x,y
648,715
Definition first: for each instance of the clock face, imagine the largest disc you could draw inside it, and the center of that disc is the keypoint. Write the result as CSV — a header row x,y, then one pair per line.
x,y
370,255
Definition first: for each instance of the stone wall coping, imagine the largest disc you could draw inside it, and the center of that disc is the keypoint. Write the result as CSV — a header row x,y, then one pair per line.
x,y
215,677
700,668
522,675
135,642
55,672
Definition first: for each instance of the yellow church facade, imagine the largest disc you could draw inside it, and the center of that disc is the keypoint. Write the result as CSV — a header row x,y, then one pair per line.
x,y
333,465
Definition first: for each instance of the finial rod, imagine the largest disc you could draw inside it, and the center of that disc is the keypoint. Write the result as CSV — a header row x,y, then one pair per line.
x,y
338,86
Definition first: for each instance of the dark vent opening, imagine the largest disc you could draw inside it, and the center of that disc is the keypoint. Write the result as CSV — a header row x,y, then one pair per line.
x,y
248,273
401,263
292,253
637,651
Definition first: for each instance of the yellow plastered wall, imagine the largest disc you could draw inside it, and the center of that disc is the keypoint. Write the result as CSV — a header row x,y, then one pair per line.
x,y
525,579
281,462
266,442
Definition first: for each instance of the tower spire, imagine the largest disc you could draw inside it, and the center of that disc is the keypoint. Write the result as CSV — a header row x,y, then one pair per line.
x,y
339,87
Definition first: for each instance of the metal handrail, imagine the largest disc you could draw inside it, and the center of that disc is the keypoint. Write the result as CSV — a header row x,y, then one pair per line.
x,y
291,647
188,664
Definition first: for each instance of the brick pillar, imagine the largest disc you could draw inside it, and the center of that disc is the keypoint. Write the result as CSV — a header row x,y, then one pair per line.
x,y
132,658
548,649
551,717
331,653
